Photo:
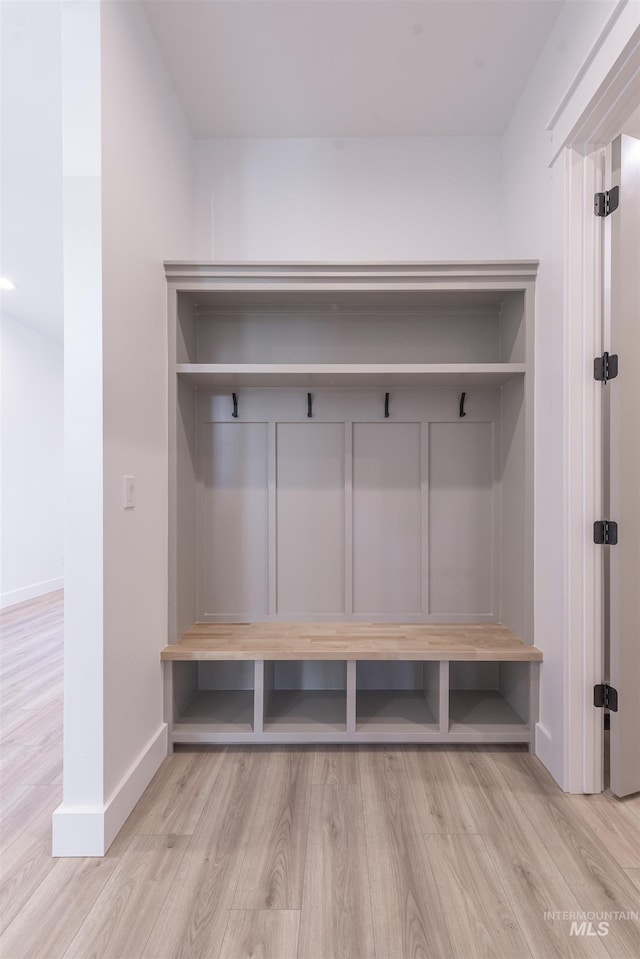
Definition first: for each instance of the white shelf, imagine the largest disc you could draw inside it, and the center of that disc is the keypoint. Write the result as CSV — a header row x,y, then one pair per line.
x,y
219,377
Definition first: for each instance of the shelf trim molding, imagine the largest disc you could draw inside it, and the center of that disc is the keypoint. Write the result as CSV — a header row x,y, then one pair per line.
x,y
214,270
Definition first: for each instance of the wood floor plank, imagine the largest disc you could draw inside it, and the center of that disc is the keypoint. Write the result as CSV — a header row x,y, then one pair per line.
x,y
194,918
634,876
441,806
406,908
479,916
596,829
261,934
521,856
37,696
47,923
22,806
25,865
159,789
34,727
617,828
273,870
33,658
578,846
336,766
189,774
122,916
336,921
631,804
29,766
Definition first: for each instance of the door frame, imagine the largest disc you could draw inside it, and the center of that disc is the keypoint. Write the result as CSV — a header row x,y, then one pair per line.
x,y
581,155
583,489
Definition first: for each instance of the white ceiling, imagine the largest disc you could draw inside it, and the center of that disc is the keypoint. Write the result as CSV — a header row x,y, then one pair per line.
x,y
340,68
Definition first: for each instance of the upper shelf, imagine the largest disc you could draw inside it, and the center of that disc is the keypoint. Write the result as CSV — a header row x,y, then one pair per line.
x,y
218,376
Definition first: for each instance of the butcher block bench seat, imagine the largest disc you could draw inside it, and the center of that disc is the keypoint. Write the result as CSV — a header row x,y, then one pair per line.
x,y
486,642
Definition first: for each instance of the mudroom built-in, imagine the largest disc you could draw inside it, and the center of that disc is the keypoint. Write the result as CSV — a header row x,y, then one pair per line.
x,y
351,503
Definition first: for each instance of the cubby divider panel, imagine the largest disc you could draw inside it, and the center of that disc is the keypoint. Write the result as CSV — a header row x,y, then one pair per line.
x,y
305,696
397,697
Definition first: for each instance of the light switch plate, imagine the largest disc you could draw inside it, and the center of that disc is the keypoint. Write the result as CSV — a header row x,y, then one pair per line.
x,y
128,492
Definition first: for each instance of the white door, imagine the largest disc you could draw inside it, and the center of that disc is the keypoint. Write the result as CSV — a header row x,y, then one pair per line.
x,y
622,247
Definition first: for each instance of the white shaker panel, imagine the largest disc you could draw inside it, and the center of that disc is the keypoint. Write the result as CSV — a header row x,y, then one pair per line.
x,y
386,519
310,519
235,519
461,523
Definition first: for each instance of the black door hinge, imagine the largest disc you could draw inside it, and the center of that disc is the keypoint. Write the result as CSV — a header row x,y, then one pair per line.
x,y
605,532
605,367
605,203
605,696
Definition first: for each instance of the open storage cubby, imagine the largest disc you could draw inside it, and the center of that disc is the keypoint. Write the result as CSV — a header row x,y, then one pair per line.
x,y
212,699
397,698
351,446
350,326
302,697
490,700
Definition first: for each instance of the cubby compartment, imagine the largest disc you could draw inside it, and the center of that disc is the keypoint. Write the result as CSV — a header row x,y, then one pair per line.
x,y
490,700
397,697
352,327
305,697
215,698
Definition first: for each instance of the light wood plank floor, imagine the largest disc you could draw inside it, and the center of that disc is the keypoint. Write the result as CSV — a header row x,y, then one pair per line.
x,y
278,853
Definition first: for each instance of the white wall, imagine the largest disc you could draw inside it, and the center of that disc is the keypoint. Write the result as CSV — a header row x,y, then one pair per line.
x,y
31,558
416,198
31,162
31,456
535,227
128,167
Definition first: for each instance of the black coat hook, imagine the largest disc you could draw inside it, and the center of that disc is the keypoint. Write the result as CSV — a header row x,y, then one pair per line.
x,y
386,405
309,405
462,399
235,405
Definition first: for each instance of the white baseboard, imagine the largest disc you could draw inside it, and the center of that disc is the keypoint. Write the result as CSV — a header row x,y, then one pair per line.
x,y
89,830
78,831
544,750
30,592
128,791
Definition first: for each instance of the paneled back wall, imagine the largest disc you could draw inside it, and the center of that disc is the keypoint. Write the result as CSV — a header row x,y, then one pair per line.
x,y
348,514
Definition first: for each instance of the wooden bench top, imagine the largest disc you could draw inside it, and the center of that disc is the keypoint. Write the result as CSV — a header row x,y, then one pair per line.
x,y
347,641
